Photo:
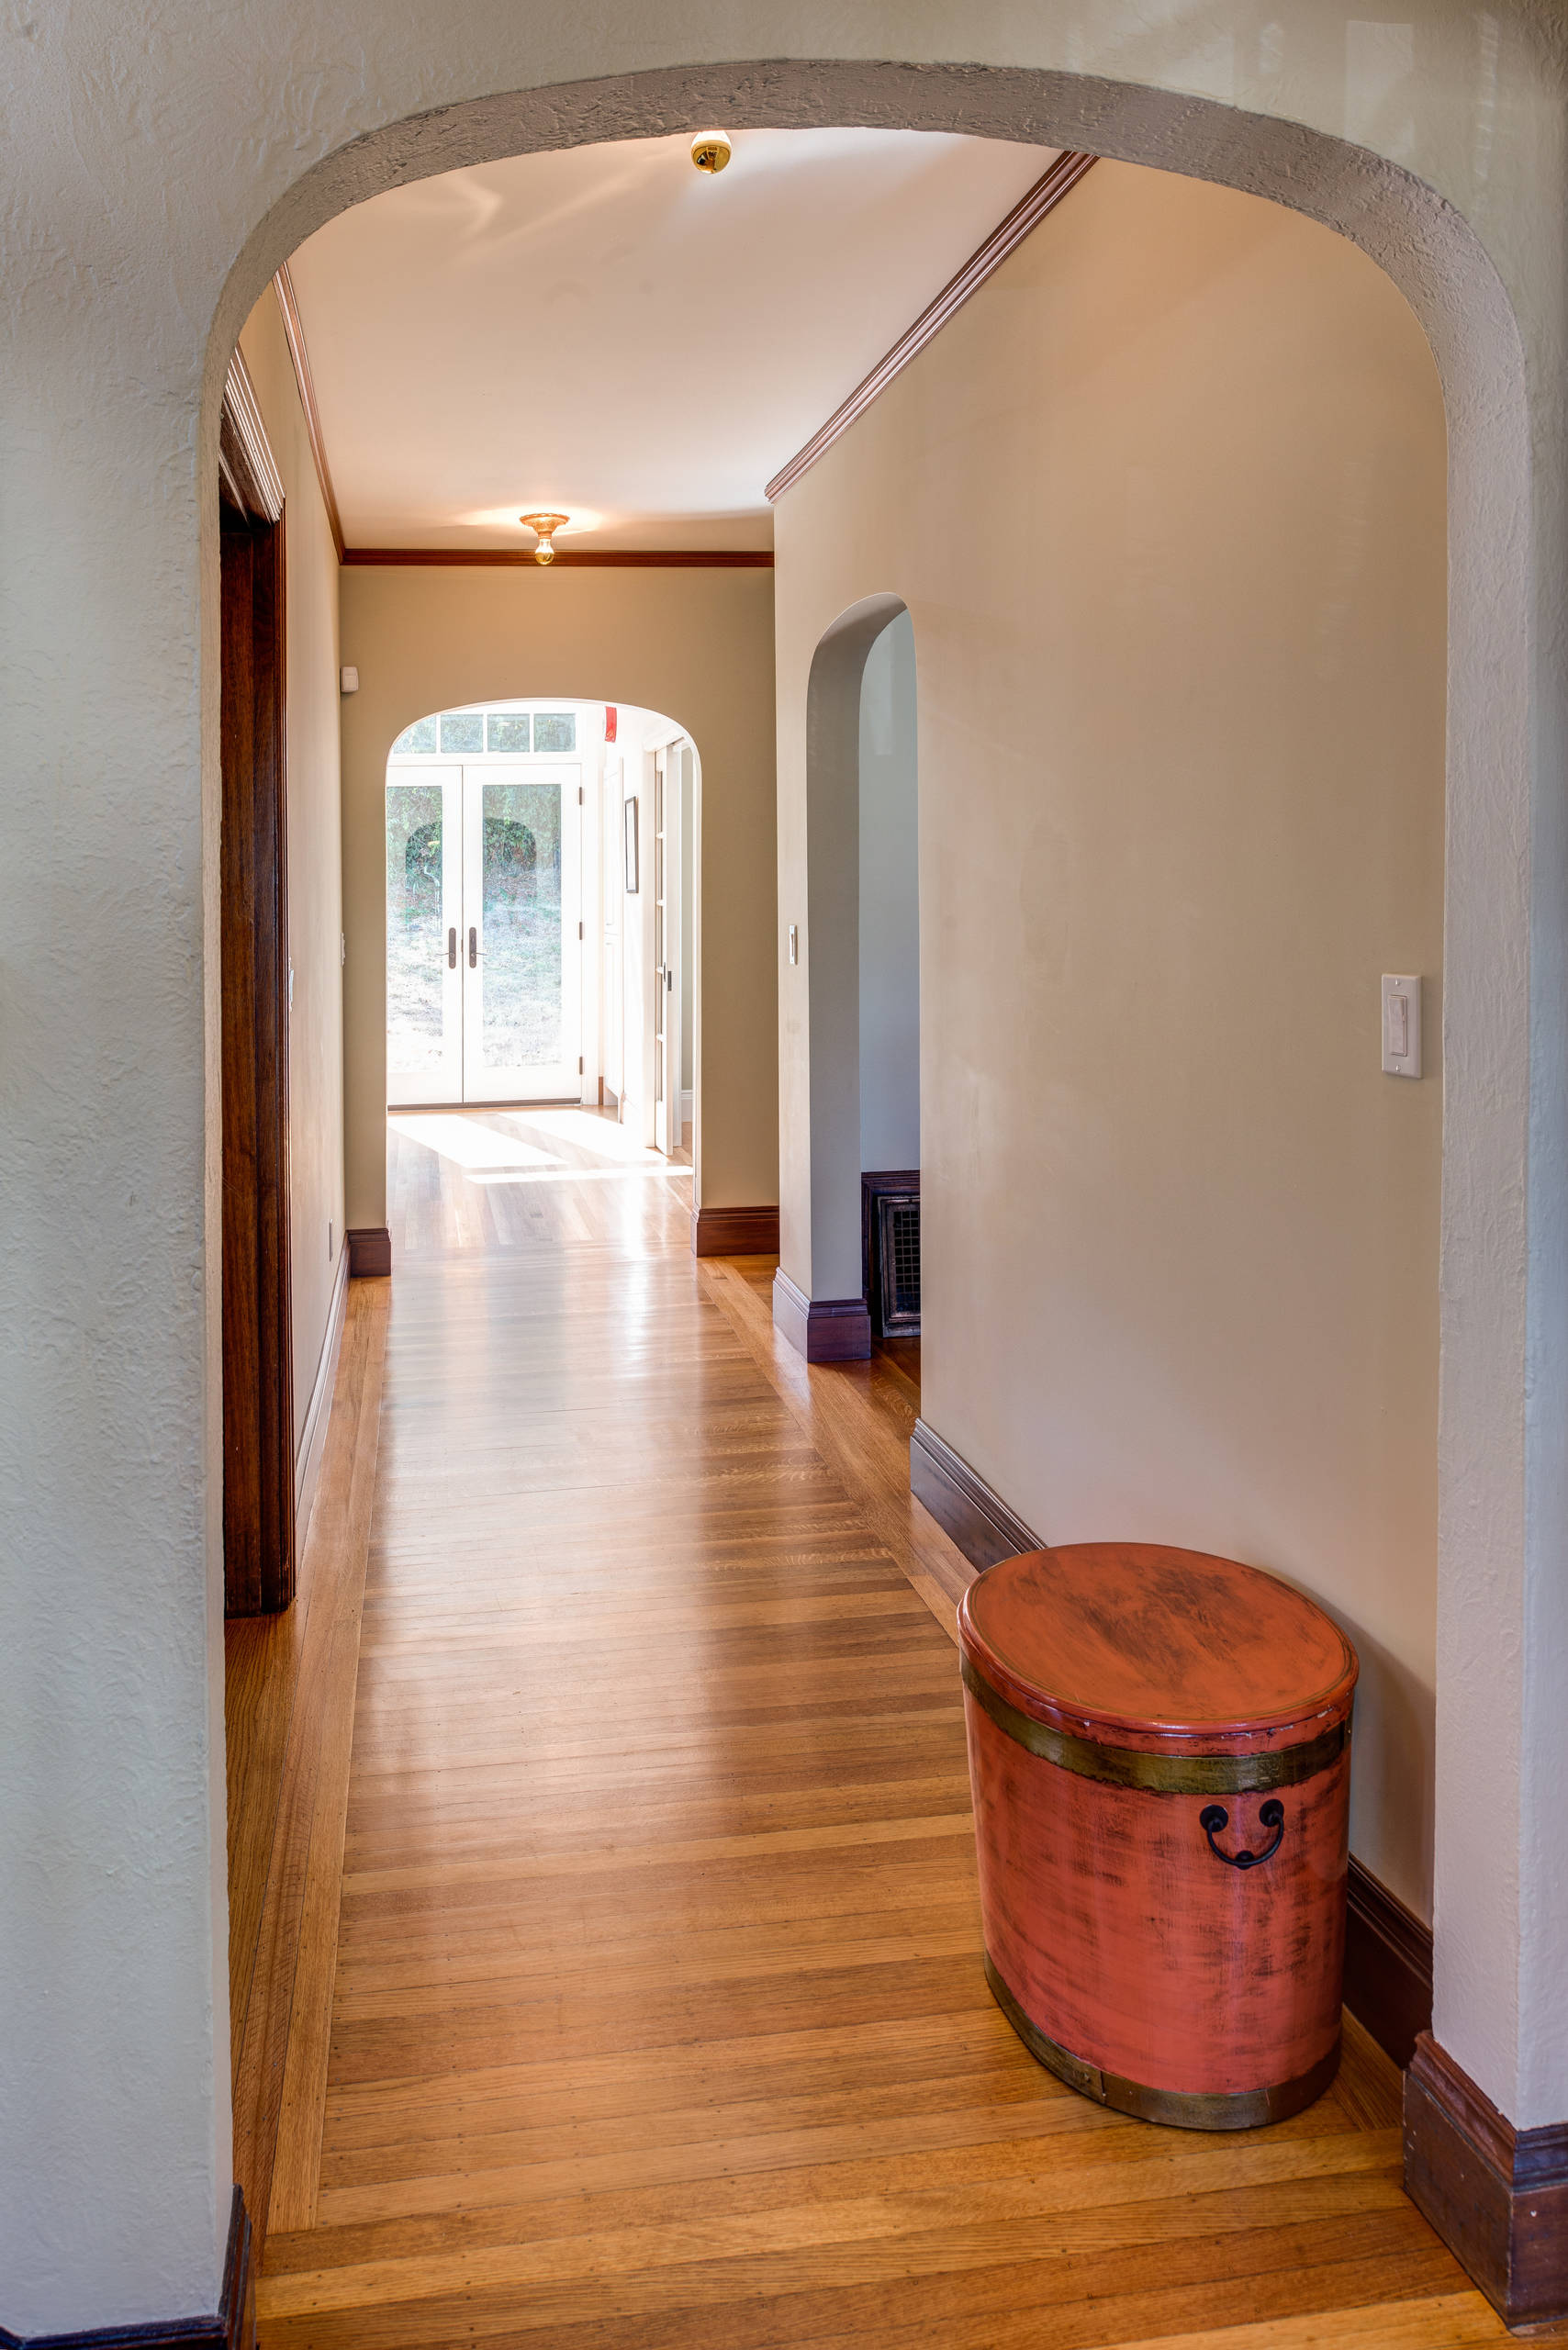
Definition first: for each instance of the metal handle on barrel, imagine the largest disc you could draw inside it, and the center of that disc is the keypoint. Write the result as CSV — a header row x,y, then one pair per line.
x,y
1214,1816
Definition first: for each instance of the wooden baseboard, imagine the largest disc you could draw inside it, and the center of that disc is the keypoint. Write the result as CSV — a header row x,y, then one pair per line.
x,y
370,1252
313,1435
823,1329
734,1232
973,1517
1388,1966
1497,2196
232,2327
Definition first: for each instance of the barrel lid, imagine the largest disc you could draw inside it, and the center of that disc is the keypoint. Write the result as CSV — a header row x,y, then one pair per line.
x,y
1157,1647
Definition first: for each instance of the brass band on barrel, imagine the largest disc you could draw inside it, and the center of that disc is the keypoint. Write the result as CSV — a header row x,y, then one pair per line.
x,y
1177,2108
1169,1775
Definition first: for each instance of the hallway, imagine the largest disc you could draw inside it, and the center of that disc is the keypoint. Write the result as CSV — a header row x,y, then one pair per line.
x,y
658,2015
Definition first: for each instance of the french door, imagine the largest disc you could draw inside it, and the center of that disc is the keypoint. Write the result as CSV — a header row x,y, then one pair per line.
x,y
483,955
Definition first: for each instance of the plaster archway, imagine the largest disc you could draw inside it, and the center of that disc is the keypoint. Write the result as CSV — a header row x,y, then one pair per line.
x,y
113,1476
1503,1498
821,1266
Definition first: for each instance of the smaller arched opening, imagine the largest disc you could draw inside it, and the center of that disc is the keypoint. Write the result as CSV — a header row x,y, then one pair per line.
x,y
540,921
839,1283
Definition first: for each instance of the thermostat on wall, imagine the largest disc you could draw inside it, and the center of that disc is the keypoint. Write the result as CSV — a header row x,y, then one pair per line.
x,y
348,681
1401,1024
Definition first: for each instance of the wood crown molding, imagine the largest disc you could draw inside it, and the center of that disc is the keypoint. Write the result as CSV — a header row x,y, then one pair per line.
x,y
1497,2196
599,558
1004,238
823,1329
293,331
734,1232
246,466
232,2327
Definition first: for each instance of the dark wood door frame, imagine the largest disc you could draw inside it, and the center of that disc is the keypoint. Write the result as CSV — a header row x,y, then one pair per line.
x,y
258,1370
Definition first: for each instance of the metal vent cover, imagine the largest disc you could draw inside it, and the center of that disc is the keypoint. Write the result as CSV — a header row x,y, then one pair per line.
x,y
897,1259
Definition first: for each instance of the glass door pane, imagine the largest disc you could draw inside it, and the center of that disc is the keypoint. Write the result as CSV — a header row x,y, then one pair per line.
x,y
522,963
424,911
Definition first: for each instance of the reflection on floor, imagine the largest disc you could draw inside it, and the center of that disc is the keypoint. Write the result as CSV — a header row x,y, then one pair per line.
x,y
656,2016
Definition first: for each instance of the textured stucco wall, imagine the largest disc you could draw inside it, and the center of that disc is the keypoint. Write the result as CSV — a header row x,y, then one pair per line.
x,y
315,857
160,161
696,645
1181,804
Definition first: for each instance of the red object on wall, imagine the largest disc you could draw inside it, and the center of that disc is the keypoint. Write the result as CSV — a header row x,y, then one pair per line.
x,y
1159,1754
609,719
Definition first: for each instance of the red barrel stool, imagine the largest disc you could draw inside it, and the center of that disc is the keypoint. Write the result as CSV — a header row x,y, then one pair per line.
x,y
1160,1749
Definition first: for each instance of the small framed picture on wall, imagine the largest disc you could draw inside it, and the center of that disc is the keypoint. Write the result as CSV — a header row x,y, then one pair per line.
x,y
629,813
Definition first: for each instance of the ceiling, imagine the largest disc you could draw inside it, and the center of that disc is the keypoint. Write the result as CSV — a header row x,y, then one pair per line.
x,y
607,331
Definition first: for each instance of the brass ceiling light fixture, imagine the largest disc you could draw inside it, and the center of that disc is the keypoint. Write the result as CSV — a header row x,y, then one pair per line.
x,y
711,150
545,527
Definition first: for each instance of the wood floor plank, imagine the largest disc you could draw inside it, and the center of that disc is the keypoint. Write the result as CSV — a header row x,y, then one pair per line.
x,y
639,2000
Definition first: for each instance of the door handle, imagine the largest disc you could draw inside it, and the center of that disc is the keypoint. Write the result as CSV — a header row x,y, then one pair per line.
x,y
452,950
473,948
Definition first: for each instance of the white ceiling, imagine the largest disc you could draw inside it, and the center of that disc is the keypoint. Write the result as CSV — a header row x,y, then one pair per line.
x,y
606,331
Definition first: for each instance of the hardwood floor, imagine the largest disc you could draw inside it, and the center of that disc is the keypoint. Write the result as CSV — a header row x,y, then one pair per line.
x,y
656,2010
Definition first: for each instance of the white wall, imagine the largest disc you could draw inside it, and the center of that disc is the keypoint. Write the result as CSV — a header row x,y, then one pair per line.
x,y
889,904
1181,804
125,289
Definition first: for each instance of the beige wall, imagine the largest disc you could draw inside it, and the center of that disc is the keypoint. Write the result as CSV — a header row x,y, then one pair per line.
x,y
1166,502
694,644
315,857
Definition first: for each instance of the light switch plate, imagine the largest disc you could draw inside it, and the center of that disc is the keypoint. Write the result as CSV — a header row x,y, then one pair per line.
x,y
1401,1024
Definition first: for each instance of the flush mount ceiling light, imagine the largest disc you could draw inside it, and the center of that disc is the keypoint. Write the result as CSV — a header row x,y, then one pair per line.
x,y
545,526
711,150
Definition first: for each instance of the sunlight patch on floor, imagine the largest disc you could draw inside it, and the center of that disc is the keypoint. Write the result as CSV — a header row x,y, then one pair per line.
x,y
493,1146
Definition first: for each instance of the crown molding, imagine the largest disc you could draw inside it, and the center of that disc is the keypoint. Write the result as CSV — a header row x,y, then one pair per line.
x,y
293,331
245,464
1005,238
599,558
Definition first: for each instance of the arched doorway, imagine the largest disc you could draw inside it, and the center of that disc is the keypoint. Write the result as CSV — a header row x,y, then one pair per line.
x,y
1471,331
1497,1454
861,975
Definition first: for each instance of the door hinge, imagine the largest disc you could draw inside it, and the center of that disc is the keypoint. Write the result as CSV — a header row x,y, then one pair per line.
x,y
579,795
579,1064
580,930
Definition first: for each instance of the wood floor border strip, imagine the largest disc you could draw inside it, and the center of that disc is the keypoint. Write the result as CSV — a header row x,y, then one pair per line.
x,y
272,2080
856,1440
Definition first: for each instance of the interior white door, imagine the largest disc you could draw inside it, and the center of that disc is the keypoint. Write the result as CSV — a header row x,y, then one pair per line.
x,y
520,947
667,973
612,850
424,919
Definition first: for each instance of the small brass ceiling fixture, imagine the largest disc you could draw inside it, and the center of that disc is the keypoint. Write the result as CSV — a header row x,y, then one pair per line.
x,y
545,526
711,150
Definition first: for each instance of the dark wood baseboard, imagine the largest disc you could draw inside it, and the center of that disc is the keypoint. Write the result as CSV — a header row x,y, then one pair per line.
x,y
1497,2196
734,1232
823,1329
1388,1966
973,1517
233,2327
1388,1952
370,1252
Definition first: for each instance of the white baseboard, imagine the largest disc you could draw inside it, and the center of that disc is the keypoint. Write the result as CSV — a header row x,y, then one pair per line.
x,y
313,1435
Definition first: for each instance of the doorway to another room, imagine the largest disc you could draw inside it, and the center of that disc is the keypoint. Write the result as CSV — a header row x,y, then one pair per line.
x,y
540,942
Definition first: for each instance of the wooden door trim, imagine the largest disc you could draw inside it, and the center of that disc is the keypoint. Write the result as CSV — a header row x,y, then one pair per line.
x,y
258,1374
